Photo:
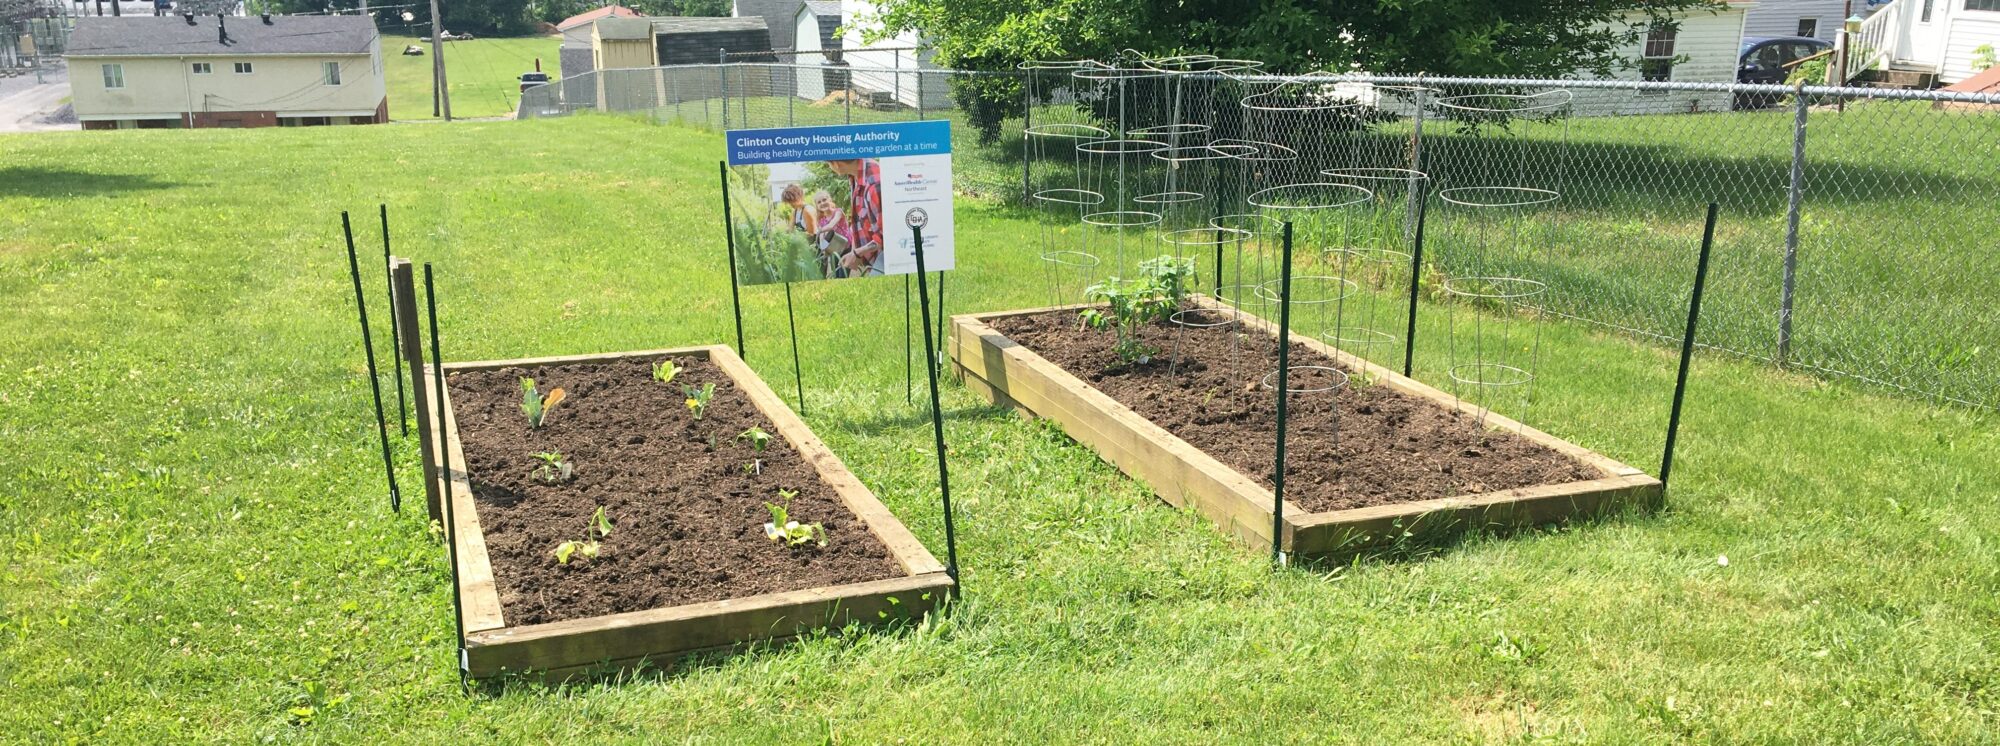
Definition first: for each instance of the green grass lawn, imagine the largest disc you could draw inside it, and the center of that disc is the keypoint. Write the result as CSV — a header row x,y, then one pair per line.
x,y
1897,199
198,539
484,74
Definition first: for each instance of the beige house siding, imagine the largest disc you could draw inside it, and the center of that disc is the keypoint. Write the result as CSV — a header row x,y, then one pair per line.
x,y
621,53
162,87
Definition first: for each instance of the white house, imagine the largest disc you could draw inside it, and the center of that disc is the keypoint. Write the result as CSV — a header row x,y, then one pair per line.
x,y
885,65
1702,47
194,71
1946,38
1813,19
816,29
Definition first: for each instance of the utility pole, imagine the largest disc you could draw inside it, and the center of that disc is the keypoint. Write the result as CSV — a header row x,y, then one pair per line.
x,y
440,90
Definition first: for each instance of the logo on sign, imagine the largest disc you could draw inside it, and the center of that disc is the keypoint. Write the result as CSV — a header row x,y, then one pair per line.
x,y
916,218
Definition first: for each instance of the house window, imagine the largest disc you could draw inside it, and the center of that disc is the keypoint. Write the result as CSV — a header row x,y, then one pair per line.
x,y
1990,6
243,68
203,68
114,76
1656,63
1809,27
329,73
1924,12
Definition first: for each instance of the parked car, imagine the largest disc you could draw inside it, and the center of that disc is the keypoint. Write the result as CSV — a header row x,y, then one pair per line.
x,y
530,80
1764,59
1768,60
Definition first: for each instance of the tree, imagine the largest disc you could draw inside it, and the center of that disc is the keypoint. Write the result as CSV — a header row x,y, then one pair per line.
x,y
1488,38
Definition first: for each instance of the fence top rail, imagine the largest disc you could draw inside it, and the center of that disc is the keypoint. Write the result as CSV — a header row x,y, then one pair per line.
x,y
1428,81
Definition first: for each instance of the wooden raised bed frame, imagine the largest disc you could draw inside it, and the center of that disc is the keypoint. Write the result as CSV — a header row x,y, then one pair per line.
x,y
616,641
1009,374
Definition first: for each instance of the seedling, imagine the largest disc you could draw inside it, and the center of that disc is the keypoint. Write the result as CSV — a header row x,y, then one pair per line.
x,y
755,468
665,370
697,398
1162,284
759,440
536,405
600,526
554,469
789,532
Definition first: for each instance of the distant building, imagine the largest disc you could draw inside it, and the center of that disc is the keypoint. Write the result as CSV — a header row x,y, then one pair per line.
x,y
1946,41
777,16
576,54
880,67
1813,19
168,72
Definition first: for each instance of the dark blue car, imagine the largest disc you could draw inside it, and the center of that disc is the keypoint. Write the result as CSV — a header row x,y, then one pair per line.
x,y
1765,59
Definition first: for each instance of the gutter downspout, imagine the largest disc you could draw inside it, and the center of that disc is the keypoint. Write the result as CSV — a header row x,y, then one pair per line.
x,y
187,91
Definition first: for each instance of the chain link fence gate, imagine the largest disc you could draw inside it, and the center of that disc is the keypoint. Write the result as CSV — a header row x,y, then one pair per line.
x,y
1860,241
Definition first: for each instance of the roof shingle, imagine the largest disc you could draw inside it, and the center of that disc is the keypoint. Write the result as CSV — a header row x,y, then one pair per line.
x,y
152,36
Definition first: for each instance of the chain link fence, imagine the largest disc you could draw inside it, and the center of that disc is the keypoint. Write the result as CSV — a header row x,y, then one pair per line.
x,y
1859,229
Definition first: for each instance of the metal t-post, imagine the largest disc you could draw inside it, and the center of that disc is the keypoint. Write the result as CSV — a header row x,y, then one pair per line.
x,y
1795,200
1284,393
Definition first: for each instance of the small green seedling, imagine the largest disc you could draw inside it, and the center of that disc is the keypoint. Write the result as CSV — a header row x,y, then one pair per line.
x,y
787,531
759,440
554,469
600,526
697,398
665,370
536,405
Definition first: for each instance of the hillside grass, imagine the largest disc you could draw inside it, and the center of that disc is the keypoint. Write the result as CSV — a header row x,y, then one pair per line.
x,y
198,538
484,74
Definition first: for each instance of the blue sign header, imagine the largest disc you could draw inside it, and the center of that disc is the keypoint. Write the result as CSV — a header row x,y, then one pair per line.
x,y
839,142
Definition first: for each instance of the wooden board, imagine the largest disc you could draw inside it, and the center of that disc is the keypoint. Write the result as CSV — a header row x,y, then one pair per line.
x,y
1008,374
596,644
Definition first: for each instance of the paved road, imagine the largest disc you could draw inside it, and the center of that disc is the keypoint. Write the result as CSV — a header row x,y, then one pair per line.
x,y
26,106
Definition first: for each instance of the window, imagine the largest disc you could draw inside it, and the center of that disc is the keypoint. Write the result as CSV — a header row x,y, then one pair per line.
x,y
329,73
1656,62
114,76
1808,27
1990,6
203,68
1924,11
243,68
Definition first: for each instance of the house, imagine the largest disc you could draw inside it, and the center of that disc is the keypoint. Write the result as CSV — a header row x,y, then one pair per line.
x,y
1942,41
575,29
575,55
1813,19
191,71
816,29
1701,46
881,69
778,16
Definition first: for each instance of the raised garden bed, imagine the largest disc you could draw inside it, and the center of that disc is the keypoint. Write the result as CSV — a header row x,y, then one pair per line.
x,y
681,560
1409,460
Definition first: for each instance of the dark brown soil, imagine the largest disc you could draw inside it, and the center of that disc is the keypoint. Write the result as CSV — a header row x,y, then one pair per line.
x,y
687,521
1391,447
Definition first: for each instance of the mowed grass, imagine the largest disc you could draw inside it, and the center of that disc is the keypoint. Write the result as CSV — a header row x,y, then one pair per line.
x,y
198,538
484,74
1895,198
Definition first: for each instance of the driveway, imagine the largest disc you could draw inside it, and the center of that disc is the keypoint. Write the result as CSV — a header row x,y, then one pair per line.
x,y
27,106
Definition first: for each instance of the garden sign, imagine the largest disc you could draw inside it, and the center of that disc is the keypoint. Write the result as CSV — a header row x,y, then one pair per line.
x,y
837,202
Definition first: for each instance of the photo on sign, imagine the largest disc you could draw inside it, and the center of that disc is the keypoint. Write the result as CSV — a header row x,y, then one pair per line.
x,y
816,220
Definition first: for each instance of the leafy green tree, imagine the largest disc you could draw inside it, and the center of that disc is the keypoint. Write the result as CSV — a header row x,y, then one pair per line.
x,y
1515,38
